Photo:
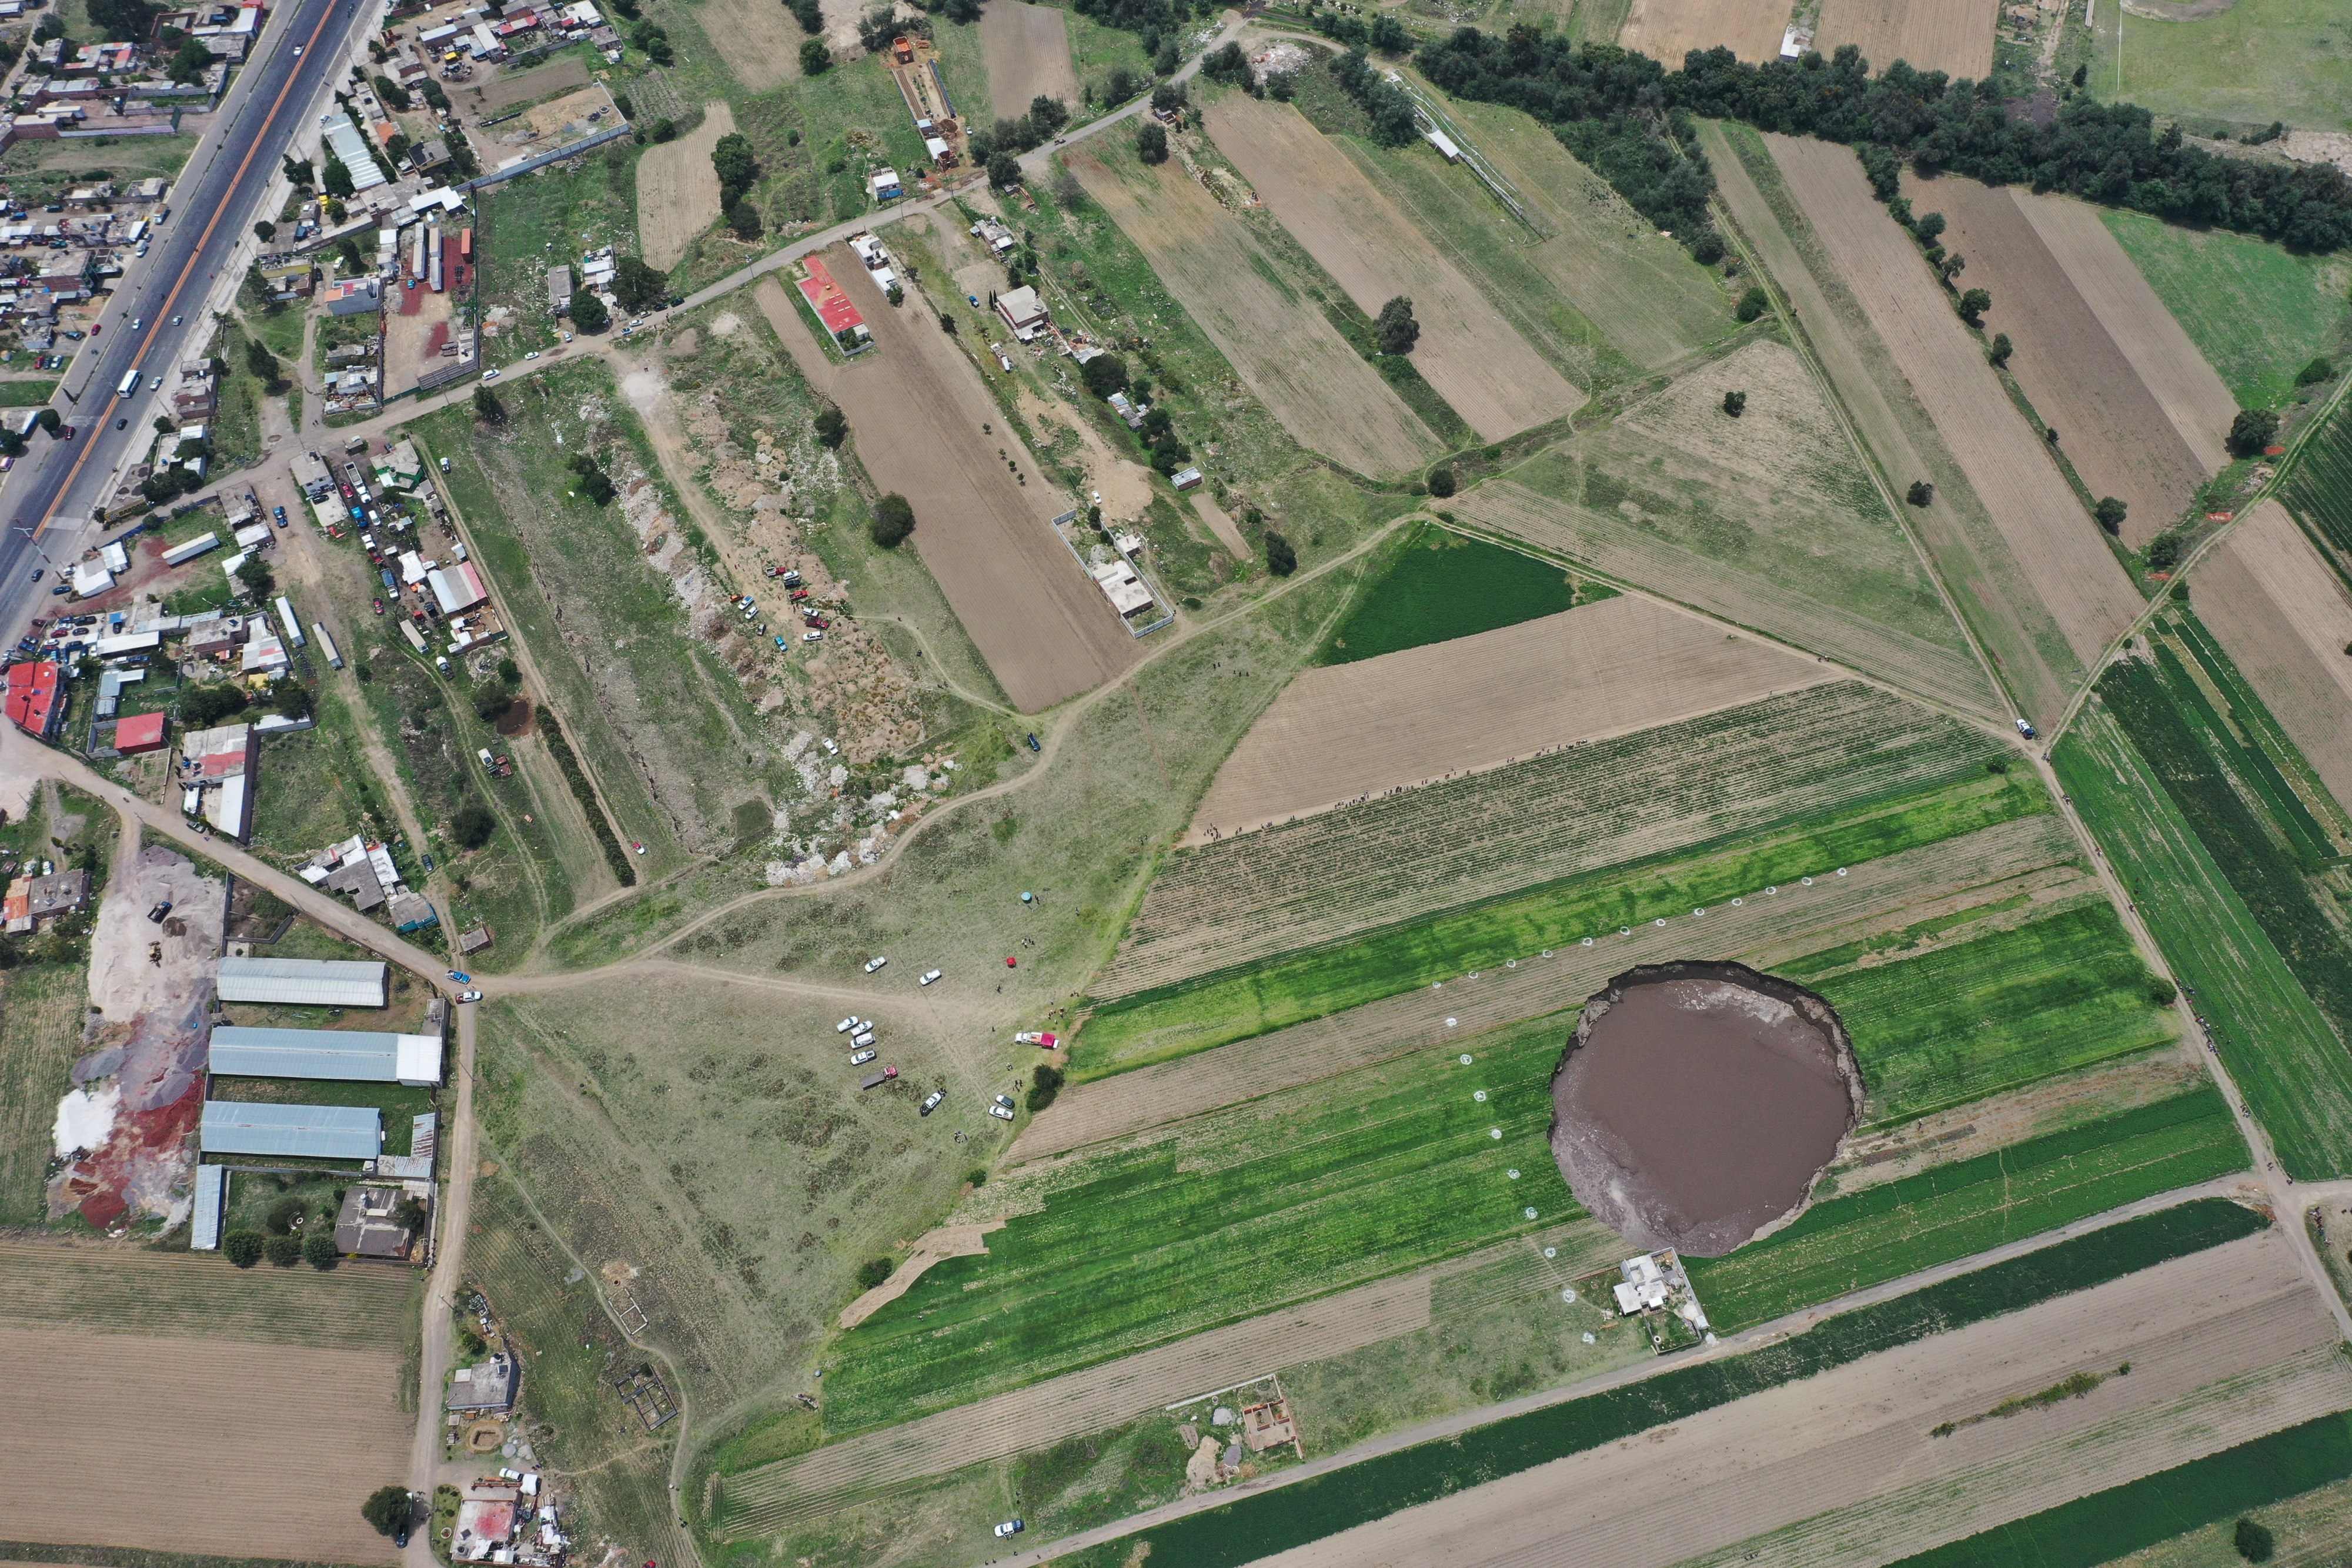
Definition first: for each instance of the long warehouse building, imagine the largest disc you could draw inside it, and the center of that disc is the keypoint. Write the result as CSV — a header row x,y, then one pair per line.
x,y
304,1132
351,1055
305,982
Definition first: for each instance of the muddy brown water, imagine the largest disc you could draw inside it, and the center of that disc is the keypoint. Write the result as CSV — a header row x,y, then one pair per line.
x,y
1699,1104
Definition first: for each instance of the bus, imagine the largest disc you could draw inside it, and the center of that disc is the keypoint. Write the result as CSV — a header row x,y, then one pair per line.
x,y
129,385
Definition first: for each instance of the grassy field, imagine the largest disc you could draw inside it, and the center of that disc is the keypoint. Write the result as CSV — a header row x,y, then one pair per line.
x,y
2319,488
2123,1520
543,220
42,1009
2279,1046
1368,1174
1440,585
1948,1212
1256,1527
2257,61
1173,1020
154,1290
317,788
2257,311
27,394
38,170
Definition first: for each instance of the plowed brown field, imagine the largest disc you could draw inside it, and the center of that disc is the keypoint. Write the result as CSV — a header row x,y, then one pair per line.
x,y
920,411
1341,731
203,1447
678,188
2112,426
2280,615
1665,30
1467,352
1954,36
1308,377
1027,49
2053,539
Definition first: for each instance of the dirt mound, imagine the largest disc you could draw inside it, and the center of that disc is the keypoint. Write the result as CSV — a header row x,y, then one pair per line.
x,y
1699,1104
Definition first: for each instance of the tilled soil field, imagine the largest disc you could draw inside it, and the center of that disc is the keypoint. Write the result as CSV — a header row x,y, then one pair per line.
x,y
2045,528
1027,49
918,409
2278,613
228,1450
1872,895
1954,36
760,43
1309,377
1665,30
1467,352
2112,428
678,189
2225,1346
1342,732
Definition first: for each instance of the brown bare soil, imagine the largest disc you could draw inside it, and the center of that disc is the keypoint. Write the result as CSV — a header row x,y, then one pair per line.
x,y
946,1242
2195,400
211,1448
917,407
678,188
760,43
97,1285
2052,540
1341,732
2225,1345
1307,376
1874,894
1954,36
491,94
1027,49
2112,426
1467,352
1215,519
2280,615
1665,30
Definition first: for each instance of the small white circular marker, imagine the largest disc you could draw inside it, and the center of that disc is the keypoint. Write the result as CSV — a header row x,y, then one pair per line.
x,y
1495,1133
1479,1095
1511,963
1530,1212
1661,920
1569,1294
1624,931
1551,1251
1588,1337
1451,1022
1473,974
1512,1173
1841,870
1696,913
1436,985
1772,892
1736,903
1588,941
1806,881
1465,1059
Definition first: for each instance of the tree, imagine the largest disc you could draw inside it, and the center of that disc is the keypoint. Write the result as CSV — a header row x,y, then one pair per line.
x,y
387,1508
637,286
2253,1542
1751,303
816,58
809,14
588,311
2109,514
338,178
1047,115
293,699
1043,1085
473,825
2082,74
832,427
1735,403
319,1248
593,483
873,1272
488,408
2162,991
1004,170
663,130
1926,227
894,520
1920,493
242,1248
2164,551
283,1251
49,420
255,579
1973,305
1151,142
1168,97
395,96
1441,481
208,704
743,219
1104,374
2319,370
2252,430
123,21
265,231
1395,328
349,250
264,365
11,444
2001,348
1280,558
738,167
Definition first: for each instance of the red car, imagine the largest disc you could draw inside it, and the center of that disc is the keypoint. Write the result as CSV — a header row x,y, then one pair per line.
x,y
799,594
379,607
817,623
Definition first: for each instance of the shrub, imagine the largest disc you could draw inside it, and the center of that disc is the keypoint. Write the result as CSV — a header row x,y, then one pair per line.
x,y
284,1251
816,58
894,520
1043,1085
284,1215
242,1248
2001,348
1920,493
2318,370
2164,551
873,1272
744,220
1735,403
1280,558
1397,330
473,825
387,1508
976,1176
1151,142
1751,303
832,427
2253,429
2110,513
2253,1542
1105,374
2162,991
318,1248
1441,481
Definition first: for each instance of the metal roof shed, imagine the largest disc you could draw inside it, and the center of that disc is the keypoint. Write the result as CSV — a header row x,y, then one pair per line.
x,y
212,1197
305,982
351,1055
306,1132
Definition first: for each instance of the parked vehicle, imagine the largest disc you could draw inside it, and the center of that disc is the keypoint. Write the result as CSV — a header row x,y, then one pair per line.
x,y
879,1078
379,607
846,1025
461,976
812,636
819,622
875,962
160,910
2026,728
1002,1112
860,1058
470,995
1033,742
1010,1527
929,976
1030,1036
931,1100
864,1037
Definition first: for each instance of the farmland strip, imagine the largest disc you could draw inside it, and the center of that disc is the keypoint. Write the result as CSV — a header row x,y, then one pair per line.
x,y
2285,620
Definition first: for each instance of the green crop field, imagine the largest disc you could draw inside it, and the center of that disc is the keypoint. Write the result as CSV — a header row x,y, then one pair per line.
x,y
2126,1519
2255,62
1368,1174
2286,1059
1948,1212
1259,1526
2007,1008
1439,586
2258,311
1216,1009
2320,487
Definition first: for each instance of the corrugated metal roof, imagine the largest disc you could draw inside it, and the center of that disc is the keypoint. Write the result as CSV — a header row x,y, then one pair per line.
x,y
364,1056
303,982
309,1132
211,1197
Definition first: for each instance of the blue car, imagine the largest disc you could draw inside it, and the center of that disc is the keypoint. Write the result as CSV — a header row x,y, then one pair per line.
x,y
462,978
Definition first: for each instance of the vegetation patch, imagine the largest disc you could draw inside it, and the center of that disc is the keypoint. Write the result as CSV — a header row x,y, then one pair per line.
x,y
2319,488
1439,585
2257,310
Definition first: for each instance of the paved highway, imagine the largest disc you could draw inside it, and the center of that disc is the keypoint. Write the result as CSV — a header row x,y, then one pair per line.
x,y
59,485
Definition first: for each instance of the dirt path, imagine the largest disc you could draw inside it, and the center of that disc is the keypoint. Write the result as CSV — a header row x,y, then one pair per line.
x,y
939,1245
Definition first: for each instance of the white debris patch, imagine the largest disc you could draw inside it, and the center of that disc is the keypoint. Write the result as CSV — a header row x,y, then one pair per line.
x,y
86,1118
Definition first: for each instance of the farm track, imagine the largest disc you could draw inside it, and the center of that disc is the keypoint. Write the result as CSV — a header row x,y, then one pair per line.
x,y
1529,987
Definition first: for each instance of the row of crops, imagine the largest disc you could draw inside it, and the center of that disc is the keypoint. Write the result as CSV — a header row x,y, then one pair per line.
x,y
2320,487
2234,883
1360,866
1287,1517
1173,1021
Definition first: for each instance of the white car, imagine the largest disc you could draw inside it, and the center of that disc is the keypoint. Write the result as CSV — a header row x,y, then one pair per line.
x,y
470,995
177,320
860,1058
929,976
137,322
532,355
567,337
875,963
1010,1527
931,1100
830,749
846,1025
491,375
1002,1115
812,636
